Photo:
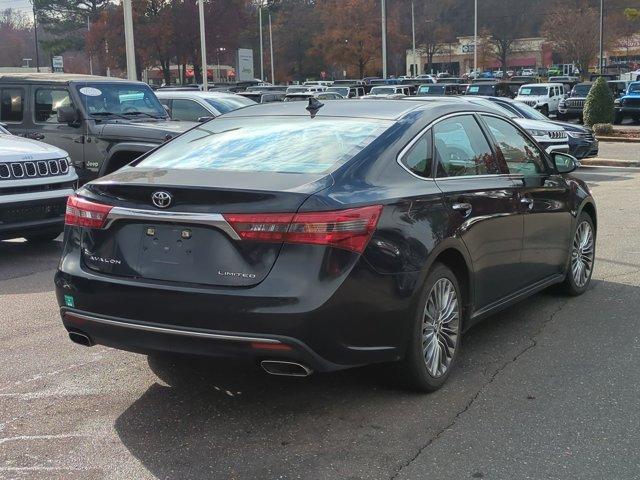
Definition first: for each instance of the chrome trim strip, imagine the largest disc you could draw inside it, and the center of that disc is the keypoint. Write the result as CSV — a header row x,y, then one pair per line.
x,y
171,331
209,219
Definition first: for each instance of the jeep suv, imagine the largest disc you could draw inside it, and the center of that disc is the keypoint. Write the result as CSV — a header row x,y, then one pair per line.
x,y
629,104
103,123
573,106
544,97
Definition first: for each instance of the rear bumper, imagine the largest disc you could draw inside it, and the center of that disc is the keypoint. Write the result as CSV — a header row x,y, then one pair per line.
x,y
329,323
145,337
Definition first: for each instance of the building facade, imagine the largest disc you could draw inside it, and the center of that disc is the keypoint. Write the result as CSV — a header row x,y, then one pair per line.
x,y
457,57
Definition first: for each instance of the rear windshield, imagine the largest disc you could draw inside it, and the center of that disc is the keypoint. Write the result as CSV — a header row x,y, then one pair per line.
x,y
268,144
228,104
382,90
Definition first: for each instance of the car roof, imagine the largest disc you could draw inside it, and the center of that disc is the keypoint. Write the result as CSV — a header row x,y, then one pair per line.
x,y
193,94
548,84
57,78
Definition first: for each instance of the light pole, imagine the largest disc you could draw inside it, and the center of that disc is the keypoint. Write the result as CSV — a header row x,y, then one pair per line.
x,y
384,39
35,34
128,40
218,50
90,60
261,48
203,48
475,37
271,48
413,34
601,56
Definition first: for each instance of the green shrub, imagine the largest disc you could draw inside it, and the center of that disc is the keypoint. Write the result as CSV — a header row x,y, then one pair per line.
x,y
603,129
598,108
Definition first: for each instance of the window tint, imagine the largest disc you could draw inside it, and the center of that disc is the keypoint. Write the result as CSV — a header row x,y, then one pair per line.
x,y
418,158
47,103
520,153
228,104
462,149
11,105
188,110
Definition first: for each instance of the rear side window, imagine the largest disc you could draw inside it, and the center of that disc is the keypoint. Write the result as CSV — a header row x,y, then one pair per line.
x,y
47,103
418,158
520,153
11,105
268,144
187,110
461,148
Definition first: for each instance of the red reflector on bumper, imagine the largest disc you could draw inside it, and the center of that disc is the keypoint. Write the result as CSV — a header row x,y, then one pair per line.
x,y
270,346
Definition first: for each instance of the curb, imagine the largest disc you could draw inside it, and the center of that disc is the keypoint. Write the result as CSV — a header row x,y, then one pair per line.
x,y
618,139
606,162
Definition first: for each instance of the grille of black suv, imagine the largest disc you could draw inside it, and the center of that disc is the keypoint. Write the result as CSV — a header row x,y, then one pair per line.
x,y
39,169
631,102
574,103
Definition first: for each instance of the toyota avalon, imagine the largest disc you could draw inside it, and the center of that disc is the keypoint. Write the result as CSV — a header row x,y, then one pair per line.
x,y
322,237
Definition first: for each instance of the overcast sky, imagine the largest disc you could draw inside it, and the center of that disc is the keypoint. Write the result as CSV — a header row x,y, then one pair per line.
x,y
24,5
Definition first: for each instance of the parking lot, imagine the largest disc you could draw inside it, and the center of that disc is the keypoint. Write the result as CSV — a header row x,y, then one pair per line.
x,y
546,389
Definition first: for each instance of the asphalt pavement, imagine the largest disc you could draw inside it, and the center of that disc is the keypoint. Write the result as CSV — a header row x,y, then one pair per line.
x,y
545,390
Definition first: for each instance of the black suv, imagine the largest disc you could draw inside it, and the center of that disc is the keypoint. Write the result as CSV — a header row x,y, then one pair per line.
x,y
103,123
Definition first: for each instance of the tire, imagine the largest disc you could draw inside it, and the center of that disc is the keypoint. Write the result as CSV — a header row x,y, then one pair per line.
x,y
617,119
583,252
545,110
636,119
414,368
43,237
561,116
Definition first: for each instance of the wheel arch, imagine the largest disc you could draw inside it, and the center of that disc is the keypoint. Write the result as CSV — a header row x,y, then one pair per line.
x,y
589,207
123,153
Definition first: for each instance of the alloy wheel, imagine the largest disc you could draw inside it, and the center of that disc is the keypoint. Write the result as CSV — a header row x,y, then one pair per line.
x,y
440,327
582,254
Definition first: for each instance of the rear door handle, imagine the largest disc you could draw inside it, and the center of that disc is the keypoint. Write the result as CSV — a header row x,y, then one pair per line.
x,y
462,207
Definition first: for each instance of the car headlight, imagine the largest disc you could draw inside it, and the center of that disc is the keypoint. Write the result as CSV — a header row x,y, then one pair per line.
x,y
575,134
538,133
617,101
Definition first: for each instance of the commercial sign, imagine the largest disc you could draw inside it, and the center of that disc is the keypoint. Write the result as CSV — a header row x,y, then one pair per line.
x,y
245,65
469,48
57,63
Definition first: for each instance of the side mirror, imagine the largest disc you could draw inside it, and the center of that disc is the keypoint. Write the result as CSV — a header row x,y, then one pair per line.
x,y
67,115
205,119
564,162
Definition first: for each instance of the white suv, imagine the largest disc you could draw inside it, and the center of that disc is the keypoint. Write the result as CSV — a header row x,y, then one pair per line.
x,y
542,96
35,181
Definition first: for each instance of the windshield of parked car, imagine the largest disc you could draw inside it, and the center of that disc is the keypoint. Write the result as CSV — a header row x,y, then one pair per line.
x,y
431,90
534,91
382,90
228,104
268,144
119,99
580,90
481,89
344,91
634,88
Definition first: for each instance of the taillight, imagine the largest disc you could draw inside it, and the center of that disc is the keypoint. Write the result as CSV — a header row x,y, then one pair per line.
x,y
83,213
347,229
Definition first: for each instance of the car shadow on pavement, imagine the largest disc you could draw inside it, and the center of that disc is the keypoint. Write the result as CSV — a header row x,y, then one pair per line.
x,y
214,420
20,259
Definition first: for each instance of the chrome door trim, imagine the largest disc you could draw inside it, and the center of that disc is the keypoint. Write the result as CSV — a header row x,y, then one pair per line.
x,y
170,331
214,220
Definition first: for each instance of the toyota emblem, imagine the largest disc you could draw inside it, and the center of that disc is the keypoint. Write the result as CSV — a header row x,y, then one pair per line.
x,y
161,199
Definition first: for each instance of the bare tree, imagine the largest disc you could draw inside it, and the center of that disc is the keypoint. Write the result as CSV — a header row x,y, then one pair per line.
x,y
575,40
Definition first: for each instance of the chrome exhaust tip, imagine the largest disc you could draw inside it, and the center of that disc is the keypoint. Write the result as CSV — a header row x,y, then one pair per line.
x,y
80,339
285,369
